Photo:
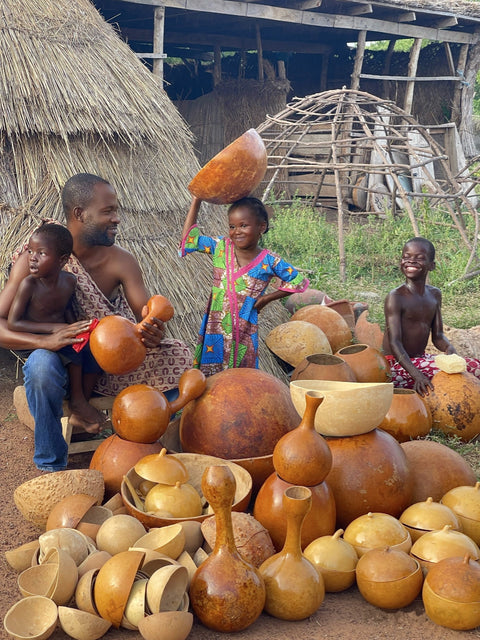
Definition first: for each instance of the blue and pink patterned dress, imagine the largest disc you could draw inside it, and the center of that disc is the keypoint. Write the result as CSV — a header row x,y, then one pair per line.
x,y
228,336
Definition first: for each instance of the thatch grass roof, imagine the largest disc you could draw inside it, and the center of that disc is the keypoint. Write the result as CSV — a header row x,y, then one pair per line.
x,y
75,98
457,7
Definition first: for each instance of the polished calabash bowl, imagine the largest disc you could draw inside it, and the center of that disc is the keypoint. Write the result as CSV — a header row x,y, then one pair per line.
x,y
335,559
34,618
465,503
348,409
195,465
82,625
422,517
435,546
166,625
377,530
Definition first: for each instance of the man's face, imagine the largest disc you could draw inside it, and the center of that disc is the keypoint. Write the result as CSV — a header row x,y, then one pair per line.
x,y
100,217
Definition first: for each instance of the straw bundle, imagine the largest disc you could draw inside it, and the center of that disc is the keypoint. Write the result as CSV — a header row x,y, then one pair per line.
x,y
75,98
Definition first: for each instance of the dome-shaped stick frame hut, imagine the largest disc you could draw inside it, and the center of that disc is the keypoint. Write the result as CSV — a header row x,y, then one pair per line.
x,y
352,151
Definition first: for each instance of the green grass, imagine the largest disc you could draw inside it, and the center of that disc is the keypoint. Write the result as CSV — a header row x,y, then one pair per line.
x,y
303,236
468,450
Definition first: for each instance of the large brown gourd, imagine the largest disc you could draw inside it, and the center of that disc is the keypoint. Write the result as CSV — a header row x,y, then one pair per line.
x,y
116,342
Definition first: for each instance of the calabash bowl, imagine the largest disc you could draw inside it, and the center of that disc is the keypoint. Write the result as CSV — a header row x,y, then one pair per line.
x,y
84,598
377,530
349,408
294,341
75,543
118,533
465,503
136,605
422,517
195,465
66,578
69,511
82,625
113,584
166,625
36,498
94,560
38,580
335,559
166,587
20,558
234,172
168,540
33,618
435,546
460,616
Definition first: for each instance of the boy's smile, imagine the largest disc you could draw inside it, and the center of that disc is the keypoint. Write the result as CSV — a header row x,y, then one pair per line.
x,y
415,262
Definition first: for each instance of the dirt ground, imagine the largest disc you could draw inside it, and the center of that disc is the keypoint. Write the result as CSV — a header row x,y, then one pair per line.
x,y
342,616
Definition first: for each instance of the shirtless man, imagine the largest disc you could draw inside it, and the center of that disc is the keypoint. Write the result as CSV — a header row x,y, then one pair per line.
x,y
412,313
91,209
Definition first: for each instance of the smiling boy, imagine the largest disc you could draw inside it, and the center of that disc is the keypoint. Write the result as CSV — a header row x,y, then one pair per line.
x,y
412,314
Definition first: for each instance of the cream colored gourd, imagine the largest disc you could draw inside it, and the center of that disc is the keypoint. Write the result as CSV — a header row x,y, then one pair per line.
x,y
180,500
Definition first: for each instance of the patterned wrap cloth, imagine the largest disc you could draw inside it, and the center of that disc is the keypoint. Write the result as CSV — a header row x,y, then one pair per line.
x,y
426,364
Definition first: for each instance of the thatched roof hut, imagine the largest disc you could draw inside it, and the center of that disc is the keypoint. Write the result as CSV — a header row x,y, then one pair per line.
x,y
74,98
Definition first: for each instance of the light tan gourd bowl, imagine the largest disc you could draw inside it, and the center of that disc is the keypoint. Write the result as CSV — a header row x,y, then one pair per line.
x,y
377,530
195,464
36,498
168,540
166,625
348,408
94,560
38,580
444,543
21,557
119,533
75,543
33,618
425,516
335,560
82,625
66,578
84,592
166,587
136,605
153,560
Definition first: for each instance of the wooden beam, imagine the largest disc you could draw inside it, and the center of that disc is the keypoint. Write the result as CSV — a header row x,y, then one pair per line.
x,y
158,38
360,9
357,66
411,72
217,65
151,56
444,23
386,67
407,16
448,53
259,52
305,5
294,16
457,96
371,76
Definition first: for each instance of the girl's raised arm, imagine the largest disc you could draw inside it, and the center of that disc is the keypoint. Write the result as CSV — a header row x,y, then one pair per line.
x,y
192,216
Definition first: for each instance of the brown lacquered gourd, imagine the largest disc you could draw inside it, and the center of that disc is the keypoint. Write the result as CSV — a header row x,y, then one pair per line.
x,y
116,342
268,510
303,456
367,363
294,588
369,472
115,456
408,417
226,593
234,172
141,413
323,366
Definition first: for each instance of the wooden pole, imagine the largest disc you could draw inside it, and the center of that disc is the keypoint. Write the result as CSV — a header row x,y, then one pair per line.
x,y
259,52
411,73
456,105
217,65
324,71
357,66
158,39
386,68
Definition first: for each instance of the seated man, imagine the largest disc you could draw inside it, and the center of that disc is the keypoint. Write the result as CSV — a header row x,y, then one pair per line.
x,y
109,281
412,313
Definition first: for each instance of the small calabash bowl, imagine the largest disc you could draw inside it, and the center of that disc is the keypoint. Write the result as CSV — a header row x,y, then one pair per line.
x,y
113,584
422,517
94,560
69,511
444,543
93,520
451,593
66,578
166,587
186,560
169,540
166,625
75,543
163,467
82,625
374,530
38,580
153,560
84,598
389,578
136,604
335,559
118,533
36,498
32,618
193,535
20,558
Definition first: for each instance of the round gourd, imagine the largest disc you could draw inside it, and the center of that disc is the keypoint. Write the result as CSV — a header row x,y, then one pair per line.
x,y
179,500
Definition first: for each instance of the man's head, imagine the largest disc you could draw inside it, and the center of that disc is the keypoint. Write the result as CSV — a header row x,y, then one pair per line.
x,y
91,209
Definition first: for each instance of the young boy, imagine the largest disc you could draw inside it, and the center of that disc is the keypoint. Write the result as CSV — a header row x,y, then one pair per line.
x,y
412,312
43,303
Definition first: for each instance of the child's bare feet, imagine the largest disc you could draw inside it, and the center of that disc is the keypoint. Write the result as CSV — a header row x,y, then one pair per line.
x,y
86,417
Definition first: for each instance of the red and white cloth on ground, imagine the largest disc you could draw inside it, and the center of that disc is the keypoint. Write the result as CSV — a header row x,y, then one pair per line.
x,y
426,364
